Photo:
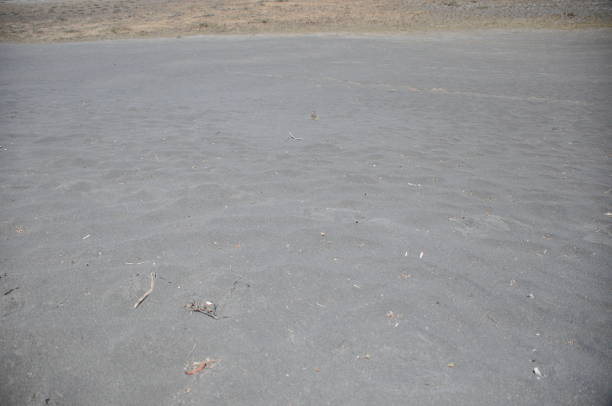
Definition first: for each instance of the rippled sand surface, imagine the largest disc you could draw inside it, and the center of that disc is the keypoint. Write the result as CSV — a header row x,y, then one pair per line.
x,y
391,220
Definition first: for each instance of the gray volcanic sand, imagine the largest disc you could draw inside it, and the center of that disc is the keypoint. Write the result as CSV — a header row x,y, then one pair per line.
x,y
436,234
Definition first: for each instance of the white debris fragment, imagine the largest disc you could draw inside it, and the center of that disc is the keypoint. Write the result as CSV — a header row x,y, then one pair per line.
x,y
537,373
86,237
421,255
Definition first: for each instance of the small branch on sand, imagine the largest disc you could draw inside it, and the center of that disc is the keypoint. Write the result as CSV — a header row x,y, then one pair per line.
x,y
293,137
148,292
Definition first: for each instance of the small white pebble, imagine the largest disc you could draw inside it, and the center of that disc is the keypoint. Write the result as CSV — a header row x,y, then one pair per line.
x,y
421,255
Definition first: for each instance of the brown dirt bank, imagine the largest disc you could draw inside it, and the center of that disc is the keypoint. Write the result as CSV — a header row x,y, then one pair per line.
x,y
45,21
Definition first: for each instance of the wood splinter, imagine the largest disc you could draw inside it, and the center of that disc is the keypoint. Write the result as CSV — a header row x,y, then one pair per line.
x,y
200,366
148,292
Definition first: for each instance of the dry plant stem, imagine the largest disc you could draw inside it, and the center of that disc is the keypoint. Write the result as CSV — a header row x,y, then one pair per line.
x,y
148,292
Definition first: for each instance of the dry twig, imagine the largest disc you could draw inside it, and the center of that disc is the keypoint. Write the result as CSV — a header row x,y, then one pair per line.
x,y
148,292
294,137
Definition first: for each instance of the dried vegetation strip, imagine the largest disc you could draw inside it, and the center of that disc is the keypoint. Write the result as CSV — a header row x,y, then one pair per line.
x,y
107,19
